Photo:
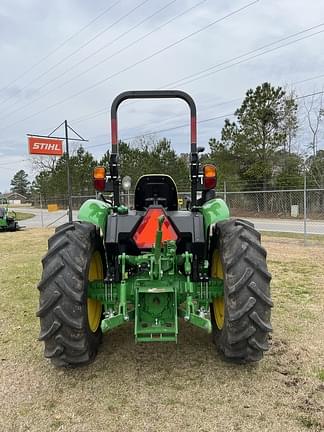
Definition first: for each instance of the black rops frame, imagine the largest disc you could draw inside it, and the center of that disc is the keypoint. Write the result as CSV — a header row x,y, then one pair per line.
x,y
154,94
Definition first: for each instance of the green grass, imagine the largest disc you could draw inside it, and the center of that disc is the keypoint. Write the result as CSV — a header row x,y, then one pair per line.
x,y
320,374
309,423
138,387
290,235
22,216
20,267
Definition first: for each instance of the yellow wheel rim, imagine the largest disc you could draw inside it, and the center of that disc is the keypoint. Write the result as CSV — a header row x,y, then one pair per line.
x,y
218,303
94,307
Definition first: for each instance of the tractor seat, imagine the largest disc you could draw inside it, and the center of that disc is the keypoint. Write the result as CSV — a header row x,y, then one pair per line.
x,y
156,189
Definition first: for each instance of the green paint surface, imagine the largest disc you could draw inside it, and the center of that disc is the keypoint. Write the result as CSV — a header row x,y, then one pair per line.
x,y
215,210
96,212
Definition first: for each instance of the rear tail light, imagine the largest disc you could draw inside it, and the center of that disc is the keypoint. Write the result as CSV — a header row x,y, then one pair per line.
x,y
144,236
210,176
99,178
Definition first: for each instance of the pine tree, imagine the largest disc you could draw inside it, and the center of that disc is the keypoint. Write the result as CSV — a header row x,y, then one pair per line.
x,y
20,183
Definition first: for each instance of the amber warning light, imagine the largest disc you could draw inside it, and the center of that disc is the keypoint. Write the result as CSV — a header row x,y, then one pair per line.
x,y
210,176
45,146
99,178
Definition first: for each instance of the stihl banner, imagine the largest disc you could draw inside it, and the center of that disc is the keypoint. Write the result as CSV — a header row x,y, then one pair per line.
x,y
45,146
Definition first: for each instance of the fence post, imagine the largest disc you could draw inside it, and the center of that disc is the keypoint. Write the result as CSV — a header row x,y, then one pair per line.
x,y
225,190
305,210
41,209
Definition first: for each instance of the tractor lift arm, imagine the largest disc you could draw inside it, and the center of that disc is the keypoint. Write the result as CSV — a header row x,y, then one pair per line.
x,y
155,288
156,263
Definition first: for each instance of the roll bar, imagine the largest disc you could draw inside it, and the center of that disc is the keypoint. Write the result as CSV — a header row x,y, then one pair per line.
x,y
153,94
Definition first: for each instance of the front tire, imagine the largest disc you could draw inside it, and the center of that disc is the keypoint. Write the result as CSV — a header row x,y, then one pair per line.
x,y
69,321
241,319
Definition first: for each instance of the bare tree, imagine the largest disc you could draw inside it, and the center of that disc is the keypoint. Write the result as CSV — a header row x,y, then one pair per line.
x,y
48,163
43,163
314,114
290,120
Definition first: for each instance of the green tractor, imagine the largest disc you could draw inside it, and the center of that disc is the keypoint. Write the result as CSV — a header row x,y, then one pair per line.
x,y
8,220
154,264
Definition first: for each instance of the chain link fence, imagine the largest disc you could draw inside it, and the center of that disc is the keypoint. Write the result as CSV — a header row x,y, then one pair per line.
x,y
293,211
299,211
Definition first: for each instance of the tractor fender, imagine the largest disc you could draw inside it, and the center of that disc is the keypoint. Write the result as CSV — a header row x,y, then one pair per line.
x,y
95,212
214,211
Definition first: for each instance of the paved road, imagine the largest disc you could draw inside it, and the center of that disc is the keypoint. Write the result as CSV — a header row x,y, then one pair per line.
x,y
43,218
288,225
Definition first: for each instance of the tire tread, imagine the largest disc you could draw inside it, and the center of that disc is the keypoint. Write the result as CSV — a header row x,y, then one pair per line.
x,y
62,311
244,336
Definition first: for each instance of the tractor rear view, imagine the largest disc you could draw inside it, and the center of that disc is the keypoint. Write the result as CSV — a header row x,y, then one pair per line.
x,y
154,264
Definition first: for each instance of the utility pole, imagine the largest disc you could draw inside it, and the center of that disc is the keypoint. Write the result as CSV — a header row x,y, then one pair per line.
x,y
69,186
305,210
41,207
52,143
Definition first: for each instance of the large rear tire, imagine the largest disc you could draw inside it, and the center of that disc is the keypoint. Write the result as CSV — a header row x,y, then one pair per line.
x,y
241,319
69,321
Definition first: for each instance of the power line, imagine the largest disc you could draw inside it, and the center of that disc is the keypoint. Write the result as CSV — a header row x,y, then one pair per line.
x,y
9,163
81,119
85,44
204,109
186,11
170,129
176,117
308,79
153,132
104,109
74,65
141,61
185,79
186,124
111,42
59,46
164,130
310,94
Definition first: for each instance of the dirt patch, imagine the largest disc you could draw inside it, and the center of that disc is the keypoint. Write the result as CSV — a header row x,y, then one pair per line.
x,y
164,387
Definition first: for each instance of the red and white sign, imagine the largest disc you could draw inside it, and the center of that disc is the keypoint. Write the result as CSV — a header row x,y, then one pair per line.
x,y
45,146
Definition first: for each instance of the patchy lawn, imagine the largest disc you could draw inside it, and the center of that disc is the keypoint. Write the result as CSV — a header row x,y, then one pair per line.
x,y
165,387
23,216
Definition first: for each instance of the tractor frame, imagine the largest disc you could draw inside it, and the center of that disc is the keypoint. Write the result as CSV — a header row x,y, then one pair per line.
x,y
156,297
154,264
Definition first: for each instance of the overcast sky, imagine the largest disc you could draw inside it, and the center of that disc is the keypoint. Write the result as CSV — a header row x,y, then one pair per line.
x,y
68,59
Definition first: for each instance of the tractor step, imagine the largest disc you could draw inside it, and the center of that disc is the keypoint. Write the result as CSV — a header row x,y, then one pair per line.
x,y
156,332
157,338
156,318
